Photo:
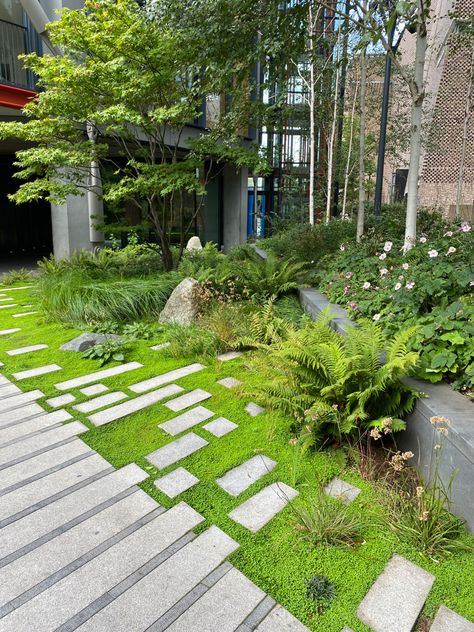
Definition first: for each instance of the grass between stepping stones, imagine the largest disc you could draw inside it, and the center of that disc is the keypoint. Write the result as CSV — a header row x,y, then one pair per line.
x,y
276,558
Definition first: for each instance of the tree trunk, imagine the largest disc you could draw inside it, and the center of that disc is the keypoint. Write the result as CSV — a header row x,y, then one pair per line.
x,y
467,115
362,112
332,138
312,123
349,154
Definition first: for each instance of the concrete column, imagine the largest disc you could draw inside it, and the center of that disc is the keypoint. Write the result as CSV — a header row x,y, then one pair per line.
x,y
71,226
235,184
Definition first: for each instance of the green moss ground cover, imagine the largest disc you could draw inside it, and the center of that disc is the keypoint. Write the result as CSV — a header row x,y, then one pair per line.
x,y
276,559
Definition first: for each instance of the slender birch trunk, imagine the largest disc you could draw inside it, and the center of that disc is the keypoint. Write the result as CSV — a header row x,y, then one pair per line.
x,y
94,195
332,137
349,155
312,122
362,113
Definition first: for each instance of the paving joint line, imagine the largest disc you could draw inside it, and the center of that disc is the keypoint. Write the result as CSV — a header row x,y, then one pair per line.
x,y
258,614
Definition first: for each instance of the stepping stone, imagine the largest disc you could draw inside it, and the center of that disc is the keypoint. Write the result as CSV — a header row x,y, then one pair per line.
x,y
41,370
223,607
176,450
238,479
9,305
5,332
176,482
230,355
22,350
341,490
187,400
254,513
162,345
2,300
396,599
7,390
229,382
35,424
448,621
13,289
61,400
186,421
98,375
254,409
133,405
220,427
24,314
164,378
100,402
16,415
19,400
280,620
95,389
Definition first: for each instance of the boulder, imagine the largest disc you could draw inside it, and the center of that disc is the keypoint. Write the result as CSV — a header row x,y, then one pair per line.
x,y
182,306
194,243
87,340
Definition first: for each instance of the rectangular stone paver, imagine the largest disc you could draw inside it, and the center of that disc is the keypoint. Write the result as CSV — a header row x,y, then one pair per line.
x,y
32,568
223,607
24,314
20,399
63,600
259,509
171,376
341,490
5,299
238,479
280,620
176,482
186,420
448,621
6,390
61,400
41,370
229,382
21,350
220,426
395,600
133,405
158,591
188,399
176,450
100,402
18,414
5,332
9,305
97,375
35,424
95,389
254,409
230,355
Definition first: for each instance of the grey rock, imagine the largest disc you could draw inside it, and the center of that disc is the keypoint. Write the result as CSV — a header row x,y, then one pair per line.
x,y
341,490
182,306
187,420
176,482
220,426
448,621
87,340
194,243
238,479
176,450
259,509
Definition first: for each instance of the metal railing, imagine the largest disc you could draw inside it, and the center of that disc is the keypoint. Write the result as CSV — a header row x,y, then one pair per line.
x,y
14,42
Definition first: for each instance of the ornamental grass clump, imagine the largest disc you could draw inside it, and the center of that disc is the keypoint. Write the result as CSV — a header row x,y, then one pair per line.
x,y
321,591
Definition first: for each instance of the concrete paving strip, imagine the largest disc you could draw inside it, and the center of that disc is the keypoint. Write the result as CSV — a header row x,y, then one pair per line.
x,y
98,375
229,382
2,300
259,509
186,421
188,399
41,370
15,401
176,482
240,478
100,402
61,400
6,390
230,355
133,405
176,450
95,389
13,289
164,378
345,492
280,620
9,305
22,350
6,332
18,415
220,426
24,314
32,425
447,620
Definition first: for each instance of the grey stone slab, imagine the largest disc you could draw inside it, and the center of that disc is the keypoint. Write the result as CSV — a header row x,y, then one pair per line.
x,y
42,463
186,420
176,482
257,616
29,495
176,450
41,370
6,332
6,390
44,521
346,629
223,607
396,598
447,620
9,305
5,299
95,389
42,441
239,478
64,599
188,399
61,400
42,562
17,415
255,512
280,620
158,591
97,375
18,400
87,340
254,409
341,490
24,314
164,378
162,345
3,380
22,350
100,402
229,382
30,426
12,289
230,355
133,405
220,426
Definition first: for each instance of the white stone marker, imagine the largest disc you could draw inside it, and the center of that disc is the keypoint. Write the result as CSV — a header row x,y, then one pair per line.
x,y
239,478
95,389
187,420
220,426
61,400
188,399
24,314
100,402
41,370
230,355
133,405
254,409
176,450
5,332
280,620
255,512
164,378
448,621
229,382
396,598
176,482
21,350
98,375
341,490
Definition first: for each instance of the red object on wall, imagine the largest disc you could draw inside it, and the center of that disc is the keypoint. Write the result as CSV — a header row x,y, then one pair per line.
x,y
13,97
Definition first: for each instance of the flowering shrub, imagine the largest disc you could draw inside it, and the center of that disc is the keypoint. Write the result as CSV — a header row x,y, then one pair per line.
x,y
432,285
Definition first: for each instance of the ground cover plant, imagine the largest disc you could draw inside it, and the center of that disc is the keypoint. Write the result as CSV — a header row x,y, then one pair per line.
x,y
280,558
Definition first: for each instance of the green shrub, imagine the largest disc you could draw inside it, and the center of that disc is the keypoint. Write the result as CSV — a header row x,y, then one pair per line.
x,y
227,321
108,351
203,265
265,329
17,276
